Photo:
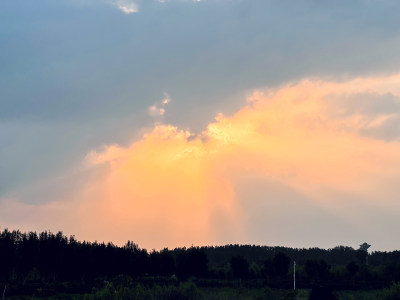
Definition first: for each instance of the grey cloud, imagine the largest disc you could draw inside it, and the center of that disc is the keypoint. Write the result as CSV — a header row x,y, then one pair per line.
x,y
389,130
34,152
371,106
276,214
83,62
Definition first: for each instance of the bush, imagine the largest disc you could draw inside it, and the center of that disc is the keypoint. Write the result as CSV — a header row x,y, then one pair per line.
x,y
324,293
392,293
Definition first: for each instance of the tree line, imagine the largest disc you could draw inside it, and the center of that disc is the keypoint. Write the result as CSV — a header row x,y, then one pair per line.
x,y
30,258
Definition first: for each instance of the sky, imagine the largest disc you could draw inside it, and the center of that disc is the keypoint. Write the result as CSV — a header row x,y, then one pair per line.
x,y
178,122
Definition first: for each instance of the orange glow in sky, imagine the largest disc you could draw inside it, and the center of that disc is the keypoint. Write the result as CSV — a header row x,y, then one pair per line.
x,y
174,188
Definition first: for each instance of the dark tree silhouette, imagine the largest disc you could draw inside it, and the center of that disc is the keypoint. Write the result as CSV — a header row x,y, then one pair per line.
x,y
268,269
352,268
31,260
239,266
192,262
167,263
317,269
281,264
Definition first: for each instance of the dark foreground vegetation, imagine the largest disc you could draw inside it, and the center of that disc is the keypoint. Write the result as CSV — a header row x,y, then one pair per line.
x,y
55,266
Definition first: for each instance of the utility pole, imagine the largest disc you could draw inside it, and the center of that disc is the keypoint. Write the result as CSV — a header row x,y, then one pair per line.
x,y
294,275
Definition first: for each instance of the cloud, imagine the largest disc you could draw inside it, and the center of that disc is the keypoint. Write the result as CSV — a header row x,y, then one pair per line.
x,y
164,1
158,109
377,114
106,155
127,6
166,99
302,145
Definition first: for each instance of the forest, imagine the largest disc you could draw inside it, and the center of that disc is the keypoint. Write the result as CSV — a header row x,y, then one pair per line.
x,y
48,264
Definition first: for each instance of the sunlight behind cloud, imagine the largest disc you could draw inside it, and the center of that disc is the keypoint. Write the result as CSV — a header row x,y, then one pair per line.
x,y
311,137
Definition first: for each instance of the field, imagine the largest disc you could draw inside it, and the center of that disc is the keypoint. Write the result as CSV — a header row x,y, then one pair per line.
x,y
189,291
